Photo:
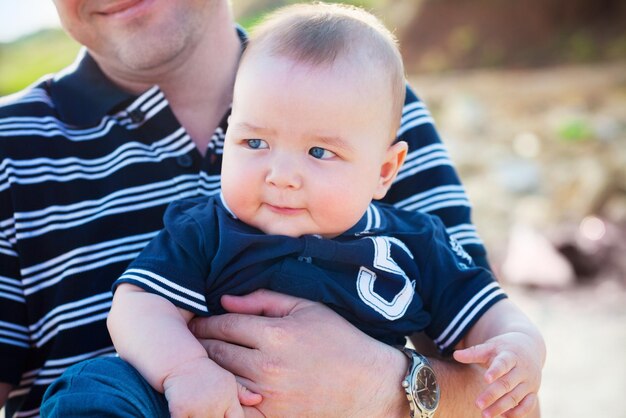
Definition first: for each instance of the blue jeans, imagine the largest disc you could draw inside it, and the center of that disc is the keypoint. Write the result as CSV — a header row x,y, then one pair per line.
x,y
103,387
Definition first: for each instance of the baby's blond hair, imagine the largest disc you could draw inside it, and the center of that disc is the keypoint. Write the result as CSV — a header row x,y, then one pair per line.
x,y
322,34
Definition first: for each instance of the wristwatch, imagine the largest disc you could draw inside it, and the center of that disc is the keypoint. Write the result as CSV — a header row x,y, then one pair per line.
x,y
420,386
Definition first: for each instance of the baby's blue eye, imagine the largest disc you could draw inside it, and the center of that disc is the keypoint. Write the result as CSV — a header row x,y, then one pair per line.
x,y
256,143
320,153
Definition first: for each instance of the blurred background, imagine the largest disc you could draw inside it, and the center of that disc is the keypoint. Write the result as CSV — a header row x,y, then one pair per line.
x,y
530,98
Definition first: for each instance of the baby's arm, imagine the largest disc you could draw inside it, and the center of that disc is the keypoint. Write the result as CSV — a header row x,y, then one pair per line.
x,y
511,348
151,333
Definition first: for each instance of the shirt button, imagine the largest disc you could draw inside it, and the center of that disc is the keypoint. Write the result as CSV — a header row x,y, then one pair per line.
x,y
184,161
136,115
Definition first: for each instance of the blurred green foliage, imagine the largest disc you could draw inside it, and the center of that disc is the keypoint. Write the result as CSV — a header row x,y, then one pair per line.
x,y
575,130
24,61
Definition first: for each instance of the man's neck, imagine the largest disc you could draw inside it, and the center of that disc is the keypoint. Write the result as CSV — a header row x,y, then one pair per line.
x,y
198,83
200,92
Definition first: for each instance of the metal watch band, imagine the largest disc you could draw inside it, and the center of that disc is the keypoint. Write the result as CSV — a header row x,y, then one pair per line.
x,y
417,362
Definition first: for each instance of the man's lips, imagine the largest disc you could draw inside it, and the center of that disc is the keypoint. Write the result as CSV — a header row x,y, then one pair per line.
x,y
120,7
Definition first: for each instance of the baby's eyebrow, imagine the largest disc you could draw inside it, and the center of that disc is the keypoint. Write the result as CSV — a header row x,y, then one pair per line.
x,y
253,128
335,141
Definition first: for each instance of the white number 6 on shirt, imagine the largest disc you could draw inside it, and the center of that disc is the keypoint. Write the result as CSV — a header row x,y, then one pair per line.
x,y
396,307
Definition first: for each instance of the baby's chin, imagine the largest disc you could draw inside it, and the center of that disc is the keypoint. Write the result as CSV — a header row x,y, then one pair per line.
x,y
296,232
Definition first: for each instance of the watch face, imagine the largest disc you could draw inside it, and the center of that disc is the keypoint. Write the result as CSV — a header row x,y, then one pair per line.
x,y
426,389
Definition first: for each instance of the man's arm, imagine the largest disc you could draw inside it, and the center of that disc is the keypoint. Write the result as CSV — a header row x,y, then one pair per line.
x,y
305,360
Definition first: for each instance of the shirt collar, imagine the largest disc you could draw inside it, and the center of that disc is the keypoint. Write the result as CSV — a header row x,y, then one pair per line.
x,y
370,223
83,95
222,201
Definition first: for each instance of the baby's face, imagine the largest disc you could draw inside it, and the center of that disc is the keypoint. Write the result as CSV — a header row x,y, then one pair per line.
x,y
305,147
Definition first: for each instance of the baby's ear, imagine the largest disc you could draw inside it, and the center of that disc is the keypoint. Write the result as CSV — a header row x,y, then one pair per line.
x,y
394,158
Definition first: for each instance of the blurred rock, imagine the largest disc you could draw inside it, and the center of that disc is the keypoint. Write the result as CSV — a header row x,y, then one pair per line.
x,y
606,128
491,33
531,260
615,209
534,211
579,185
517,175
463,113
595,248
527,144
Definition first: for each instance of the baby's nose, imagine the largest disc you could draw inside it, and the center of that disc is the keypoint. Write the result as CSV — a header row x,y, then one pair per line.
x,y
284,173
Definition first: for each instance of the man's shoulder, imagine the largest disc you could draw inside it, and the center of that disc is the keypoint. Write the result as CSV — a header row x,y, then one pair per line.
x,y
406,220
26,117
32,101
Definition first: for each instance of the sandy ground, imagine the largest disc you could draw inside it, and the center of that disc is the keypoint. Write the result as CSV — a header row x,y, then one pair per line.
x,y
585,332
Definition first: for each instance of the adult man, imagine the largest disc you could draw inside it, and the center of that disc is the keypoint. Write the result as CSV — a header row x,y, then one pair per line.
x,y
90,160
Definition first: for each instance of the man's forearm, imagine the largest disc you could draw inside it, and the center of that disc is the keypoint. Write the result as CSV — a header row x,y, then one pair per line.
x,y
460,384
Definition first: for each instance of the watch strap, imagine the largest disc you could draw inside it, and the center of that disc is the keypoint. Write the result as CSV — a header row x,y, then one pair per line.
x,y
417,361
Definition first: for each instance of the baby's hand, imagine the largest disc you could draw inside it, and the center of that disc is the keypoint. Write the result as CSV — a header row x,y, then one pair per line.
x,y
201,388
514,364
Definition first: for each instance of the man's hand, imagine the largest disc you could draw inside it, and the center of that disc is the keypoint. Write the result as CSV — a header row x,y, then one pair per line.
x,y
303,358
